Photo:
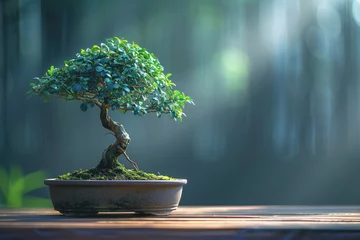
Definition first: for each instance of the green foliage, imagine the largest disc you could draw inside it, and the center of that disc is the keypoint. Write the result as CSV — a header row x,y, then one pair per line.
x,y
118,75
118,173
15,186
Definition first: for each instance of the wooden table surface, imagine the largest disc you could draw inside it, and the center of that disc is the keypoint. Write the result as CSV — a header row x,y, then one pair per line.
x,y
195,222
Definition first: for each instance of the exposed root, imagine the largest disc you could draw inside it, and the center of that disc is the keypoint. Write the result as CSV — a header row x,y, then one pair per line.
x,y
127,158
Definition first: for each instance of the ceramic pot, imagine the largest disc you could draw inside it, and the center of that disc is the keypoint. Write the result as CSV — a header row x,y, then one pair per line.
x,y
89,197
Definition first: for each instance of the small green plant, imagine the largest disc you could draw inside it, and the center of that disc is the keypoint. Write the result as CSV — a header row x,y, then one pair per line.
x,y
116,75
15,188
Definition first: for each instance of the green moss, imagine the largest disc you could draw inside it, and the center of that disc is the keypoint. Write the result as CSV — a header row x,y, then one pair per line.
x,y
118,173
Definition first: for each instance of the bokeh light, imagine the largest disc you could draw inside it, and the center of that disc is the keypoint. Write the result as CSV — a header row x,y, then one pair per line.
x,y
356,11
329,19
234,65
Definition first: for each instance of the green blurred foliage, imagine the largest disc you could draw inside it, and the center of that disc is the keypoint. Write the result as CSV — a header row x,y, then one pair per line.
x,y
15,188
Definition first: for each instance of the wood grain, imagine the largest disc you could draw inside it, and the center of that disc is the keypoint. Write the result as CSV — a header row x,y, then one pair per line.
x,y
198,222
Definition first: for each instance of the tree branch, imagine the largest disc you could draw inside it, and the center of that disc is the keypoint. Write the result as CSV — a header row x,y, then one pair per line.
x,y
96,102
103,105
119,131
102,81
128,158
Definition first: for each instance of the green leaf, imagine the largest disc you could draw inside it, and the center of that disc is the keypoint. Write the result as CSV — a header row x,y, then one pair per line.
x,y
105,60
116,40
50,71
99,68
83,107
172,114
34,181
104,47
84,86
4,184
182,104
110,86
16,186
95,49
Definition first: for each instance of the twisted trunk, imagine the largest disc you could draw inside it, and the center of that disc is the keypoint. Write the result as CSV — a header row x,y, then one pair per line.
x,y
111,154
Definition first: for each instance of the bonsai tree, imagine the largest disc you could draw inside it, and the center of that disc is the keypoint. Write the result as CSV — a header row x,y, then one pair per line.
x,y
116,75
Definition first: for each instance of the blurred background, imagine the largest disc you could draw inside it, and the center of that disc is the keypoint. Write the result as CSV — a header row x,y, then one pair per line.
x,y
276,85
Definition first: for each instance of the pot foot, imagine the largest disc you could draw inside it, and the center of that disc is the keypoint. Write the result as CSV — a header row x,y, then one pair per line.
x,y
156,213
79,214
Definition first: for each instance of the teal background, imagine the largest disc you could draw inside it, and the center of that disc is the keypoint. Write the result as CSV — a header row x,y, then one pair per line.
x,y
275,83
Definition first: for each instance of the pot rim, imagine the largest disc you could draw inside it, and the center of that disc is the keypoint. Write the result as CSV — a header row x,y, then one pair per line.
x,y
53,181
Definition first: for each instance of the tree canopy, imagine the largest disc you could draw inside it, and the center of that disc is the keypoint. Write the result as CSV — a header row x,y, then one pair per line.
x,y
117,75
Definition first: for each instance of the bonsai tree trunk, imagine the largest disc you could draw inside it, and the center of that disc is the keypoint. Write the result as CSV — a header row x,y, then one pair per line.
x,y
111,154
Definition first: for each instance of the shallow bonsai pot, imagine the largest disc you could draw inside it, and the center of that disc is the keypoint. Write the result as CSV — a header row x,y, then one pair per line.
x,y
89,197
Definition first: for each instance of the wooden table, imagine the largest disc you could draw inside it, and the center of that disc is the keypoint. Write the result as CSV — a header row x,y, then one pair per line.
x,y
220,222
